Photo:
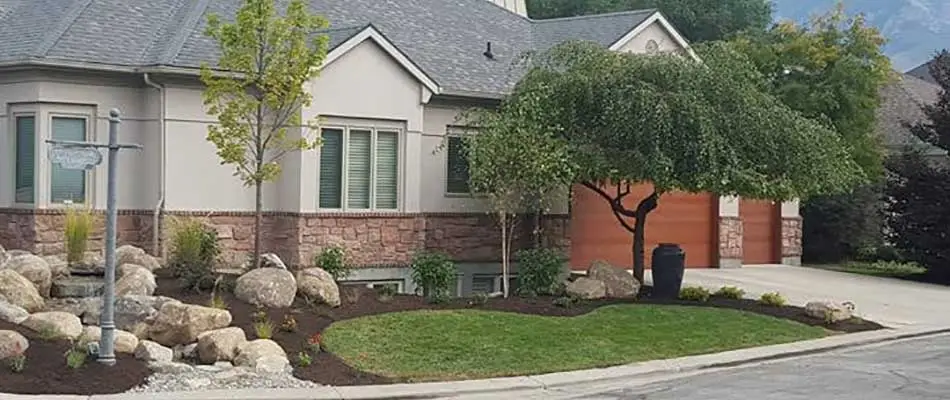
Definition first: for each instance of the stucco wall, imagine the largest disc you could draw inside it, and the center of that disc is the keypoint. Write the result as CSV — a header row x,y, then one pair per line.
x,y
654,32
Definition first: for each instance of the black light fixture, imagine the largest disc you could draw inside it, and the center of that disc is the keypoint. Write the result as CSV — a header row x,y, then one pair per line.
x,y
488,53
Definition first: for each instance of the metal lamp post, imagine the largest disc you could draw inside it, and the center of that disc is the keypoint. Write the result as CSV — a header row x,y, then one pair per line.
x,y
86,156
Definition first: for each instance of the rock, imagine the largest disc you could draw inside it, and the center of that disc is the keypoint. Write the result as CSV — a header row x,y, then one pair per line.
x,y
58,267
186,351
317,284
267,287
3,256
78,286
131,312
12,343
12,313
92,264
177,323
829,311
20,291
56,323
171,368
271,260
196,383
220,345
136,281
75,306
618,281
17,252
587,288
263,355
34,269
153,352
125,342
128,254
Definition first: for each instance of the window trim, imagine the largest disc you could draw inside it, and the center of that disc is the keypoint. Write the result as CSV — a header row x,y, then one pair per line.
x,y
14,115
371,283
88,175
374,130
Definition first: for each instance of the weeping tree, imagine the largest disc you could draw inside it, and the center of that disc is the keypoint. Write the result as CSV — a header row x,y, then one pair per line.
x,y
675,123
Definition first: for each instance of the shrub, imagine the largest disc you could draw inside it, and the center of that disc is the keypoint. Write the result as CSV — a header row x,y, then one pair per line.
x,y
216,300
78,227
259,315
843,227
289,324
47,332
264,329
76,355
304,359
386,293
333,260
886,268
730,292
17,363
694,293
314,342
540,271
479,299
565,301
434,274
773,299
194,250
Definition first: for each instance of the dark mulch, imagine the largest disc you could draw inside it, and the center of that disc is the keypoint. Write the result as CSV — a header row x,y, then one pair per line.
x,y
46,371
358,302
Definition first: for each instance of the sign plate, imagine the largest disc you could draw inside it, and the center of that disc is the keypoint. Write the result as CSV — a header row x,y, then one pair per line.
x,y
75,157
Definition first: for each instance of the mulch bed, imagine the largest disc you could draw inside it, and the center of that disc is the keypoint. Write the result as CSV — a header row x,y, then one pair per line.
x,y
46,371
359,302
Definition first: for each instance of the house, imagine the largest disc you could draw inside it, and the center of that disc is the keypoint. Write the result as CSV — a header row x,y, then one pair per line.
x,y
922,71
901,106
396,78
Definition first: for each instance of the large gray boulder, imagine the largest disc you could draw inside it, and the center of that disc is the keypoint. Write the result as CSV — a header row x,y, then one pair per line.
x,y
829,311
125,342
17,290
220,344
317,284
586,288
132,313
154,352
12,313
264,356
617,281
33,268
178,323
267,287
128,254
135,280
61,325
57,267
12,344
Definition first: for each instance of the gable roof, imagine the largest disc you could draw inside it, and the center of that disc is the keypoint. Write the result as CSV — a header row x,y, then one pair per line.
x,y
443,39
923,72
901,103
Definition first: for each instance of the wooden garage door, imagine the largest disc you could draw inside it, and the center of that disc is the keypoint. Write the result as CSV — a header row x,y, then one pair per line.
x,y
686,219
759,231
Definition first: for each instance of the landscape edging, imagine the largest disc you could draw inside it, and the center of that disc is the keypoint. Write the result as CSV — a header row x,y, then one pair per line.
x,y
538,382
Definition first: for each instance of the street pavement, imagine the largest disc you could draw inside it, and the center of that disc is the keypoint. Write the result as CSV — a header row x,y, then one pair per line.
x,y
915,369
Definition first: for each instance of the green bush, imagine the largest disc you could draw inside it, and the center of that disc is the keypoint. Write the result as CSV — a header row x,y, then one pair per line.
x,y
774,299
843,227
333,260
730,292
76,355
434,274
540,272
194,251
479,299
694,293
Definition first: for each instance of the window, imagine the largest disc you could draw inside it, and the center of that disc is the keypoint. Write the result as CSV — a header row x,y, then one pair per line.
x,y
457,174
359,169
395,285
25,145
492,283
67,185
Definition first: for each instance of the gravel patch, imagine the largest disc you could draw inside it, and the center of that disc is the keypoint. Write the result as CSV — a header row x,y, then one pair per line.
x,y
217,377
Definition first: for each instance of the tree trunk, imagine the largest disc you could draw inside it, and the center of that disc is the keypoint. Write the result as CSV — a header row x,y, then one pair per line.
x,y
536,229
504,254
639,237
258,221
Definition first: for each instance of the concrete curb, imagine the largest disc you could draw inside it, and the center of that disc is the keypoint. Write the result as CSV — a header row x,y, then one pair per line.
x,y
538,382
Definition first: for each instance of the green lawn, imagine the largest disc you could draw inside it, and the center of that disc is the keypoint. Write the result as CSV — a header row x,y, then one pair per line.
x,y
470,344
879,269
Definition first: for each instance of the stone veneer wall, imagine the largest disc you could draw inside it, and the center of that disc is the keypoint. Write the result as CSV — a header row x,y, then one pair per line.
x,y
730,242
373,239
791,240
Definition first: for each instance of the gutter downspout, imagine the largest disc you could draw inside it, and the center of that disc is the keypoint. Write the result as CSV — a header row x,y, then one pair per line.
x,y
163,160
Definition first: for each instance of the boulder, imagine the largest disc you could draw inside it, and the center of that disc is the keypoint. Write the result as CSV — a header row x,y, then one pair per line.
x,y
829,311
586,288
61,325
170,368
75,306
58,267
177,323
33,268
617,281
12,313
92,264
12,344
186,351
263,355
271,260
153,352
220,345
20,291
267,287
125,342
3,256
317,284
17,252
131,312
128,254
136,281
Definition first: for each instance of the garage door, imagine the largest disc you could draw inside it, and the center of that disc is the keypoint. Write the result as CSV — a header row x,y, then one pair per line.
x,y
759,231
687,219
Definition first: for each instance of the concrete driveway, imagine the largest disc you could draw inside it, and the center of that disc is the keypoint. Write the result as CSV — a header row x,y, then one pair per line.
x,y
891,302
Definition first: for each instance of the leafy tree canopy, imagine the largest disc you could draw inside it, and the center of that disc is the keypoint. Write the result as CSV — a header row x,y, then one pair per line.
x,y
698,20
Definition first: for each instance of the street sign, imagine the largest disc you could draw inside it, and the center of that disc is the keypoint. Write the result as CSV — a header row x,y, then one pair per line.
x,y
75,157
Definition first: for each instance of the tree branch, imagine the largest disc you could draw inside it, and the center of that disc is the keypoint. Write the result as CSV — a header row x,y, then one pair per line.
x,y
619,212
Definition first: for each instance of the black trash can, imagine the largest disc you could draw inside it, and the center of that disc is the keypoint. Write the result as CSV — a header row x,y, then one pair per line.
x,y
669,262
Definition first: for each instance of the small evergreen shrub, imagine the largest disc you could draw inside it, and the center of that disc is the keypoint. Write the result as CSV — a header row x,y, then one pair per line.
x,y
79,223
694,293
774,299
434,274
333,260
479,299
540,272
264,329
730,292
194,250
76,355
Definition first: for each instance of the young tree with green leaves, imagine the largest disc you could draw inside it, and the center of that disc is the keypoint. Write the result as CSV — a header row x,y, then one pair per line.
x,y
678,124
258,87
517,164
